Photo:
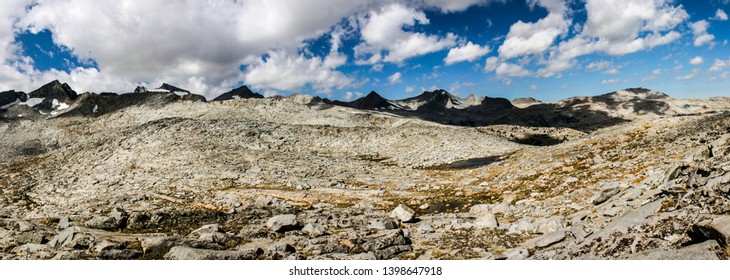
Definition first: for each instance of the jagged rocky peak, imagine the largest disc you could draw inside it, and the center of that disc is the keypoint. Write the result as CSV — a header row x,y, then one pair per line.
x,y
171,88
372,101
141,89
7,98
54,90
240,92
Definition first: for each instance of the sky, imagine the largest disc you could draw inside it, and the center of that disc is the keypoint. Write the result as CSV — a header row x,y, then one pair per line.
x,y
546,49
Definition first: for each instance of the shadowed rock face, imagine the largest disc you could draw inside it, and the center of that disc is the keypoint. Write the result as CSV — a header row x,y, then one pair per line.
x,y
172,88
11,96
241,92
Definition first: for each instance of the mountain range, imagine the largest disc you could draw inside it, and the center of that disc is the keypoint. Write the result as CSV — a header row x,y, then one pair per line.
x,y
581,113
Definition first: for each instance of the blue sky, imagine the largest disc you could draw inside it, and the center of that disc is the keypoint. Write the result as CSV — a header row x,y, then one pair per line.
x,y
547,49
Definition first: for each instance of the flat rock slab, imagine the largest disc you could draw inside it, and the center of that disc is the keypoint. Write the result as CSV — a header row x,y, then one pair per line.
x,y
702,251
403,213
632,218
187,253
550,239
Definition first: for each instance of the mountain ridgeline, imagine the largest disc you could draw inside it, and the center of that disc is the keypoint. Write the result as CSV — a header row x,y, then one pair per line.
x,y
581,113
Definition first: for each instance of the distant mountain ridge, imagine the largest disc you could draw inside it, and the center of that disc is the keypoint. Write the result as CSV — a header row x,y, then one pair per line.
x,y
585,113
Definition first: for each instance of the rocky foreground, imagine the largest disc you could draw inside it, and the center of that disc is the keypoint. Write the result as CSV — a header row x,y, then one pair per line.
x,y
159,176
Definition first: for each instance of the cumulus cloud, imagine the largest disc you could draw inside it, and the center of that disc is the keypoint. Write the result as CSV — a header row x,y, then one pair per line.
x,y
468,52
610,81
511,70
385,40
410,89
283,70
719,65
395,78
349,96
720,15
491,64
699,30
618,27
531,38
697,60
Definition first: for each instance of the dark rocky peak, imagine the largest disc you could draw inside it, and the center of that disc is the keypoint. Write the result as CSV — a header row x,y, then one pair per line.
x,y
54,90
371,101
10,97
172,88
141,89
241,92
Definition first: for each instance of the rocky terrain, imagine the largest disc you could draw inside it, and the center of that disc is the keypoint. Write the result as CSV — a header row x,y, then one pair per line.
x,y
164,174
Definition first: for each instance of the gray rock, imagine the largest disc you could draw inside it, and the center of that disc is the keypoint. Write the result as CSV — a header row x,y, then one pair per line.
x,y
606,195
517,254
549,225
282,223
63,238
718,229
283,248
550,239
382,225
187,253
313,230
64,222
403,213
703,251
384,239
391,252
522,225
116,219
502,208
120,254
425,227
486,220
480,209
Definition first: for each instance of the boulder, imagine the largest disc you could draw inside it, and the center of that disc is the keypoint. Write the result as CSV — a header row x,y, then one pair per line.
x,y
486,220
606,195
403,213
283,223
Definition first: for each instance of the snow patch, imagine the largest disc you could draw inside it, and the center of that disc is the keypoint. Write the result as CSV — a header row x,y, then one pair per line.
x,y
59,105
96,108
32,102
11,104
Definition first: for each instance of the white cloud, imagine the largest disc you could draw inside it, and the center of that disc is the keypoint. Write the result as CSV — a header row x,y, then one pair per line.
x,y
468,52
511,70
612,71
533,87
699,30
285,71
610,81
689,76
410,89
598,65
377,67
531,38
618,27
491,64
382,31
719,65
720,15
395,78
697,60
447,6
349,96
